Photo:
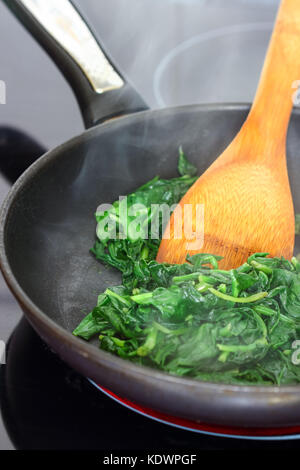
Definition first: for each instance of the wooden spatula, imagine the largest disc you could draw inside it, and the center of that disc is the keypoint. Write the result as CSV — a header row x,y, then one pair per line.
x,y
246,194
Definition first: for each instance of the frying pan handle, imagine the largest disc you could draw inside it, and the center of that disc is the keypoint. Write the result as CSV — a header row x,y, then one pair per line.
x,y
102,92
17,152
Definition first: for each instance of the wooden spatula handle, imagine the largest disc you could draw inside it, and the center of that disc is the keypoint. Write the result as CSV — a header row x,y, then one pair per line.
x,y
273,102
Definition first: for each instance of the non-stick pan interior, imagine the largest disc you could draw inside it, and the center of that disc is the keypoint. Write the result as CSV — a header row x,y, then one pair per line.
x,y
51,225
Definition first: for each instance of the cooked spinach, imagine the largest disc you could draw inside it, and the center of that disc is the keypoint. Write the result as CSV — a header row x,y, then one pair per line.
x,y
194,319
130,250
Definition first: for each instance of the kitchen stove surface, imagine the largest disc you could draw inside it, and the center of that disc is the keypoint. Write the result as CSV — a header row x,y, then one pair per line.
x,y
46,405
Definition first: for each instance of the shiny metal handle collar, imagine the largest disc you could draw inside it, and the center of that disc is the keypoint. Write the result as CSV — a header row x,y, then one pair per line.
x,y
101,90
62,21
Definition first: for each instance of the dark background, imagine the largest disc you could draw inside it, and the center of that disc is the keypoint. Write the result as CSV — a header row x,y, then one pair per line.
x,y
173,51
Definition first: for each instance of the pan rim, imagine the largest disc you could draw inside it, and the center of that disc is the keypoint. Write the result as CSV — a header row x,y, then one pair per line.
x,y
33,312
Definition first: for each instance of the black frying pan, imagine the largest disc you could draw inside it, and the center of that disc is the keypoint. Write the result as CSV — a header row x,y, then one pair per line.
x,y
47,223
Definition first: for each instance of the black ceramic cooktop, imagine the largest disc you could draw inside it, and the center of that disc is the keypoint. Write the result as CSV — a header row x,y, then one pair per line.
x,y
46,405
214,47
